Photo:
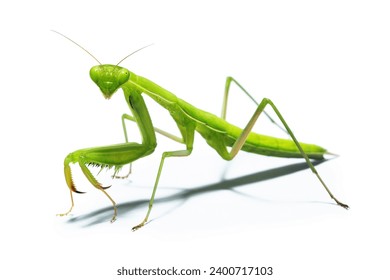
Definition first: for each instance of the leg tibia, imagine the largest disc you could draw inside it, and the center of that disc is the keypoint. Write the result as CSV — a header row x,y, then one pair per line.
x,y
188,135
181,153
246,131
71,207
229,80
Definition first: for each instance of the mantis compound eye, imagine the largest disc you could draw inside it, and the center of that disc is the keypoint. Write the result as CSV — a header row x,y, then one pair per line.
x,y
95,73
123,76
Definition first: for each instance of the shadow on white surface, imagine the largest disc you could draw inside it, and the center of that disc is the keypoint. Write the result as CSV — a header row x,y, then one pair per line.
x,y
104,215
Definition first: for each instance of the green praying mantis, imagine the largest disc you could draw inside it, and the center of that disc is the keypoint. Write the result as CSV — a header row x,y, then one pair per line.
x,y
218,133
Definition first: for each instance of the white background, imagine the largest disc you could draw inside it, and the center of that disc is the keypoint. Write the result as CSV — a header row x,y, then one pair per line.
x,y
325,65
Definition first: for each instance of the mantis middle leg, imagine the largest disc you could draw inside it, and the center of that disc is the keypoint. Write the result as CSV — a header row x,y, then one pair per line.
x,y
188,134
158,130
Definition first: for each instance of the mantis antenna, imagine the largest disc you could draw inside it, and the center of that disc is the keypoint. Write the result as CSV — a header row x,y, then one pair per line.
x,y
132,54
81,47
77,45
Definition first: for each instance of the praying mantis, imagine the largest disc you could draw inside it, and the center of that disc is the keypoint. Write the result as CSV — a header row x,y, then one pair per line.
x,y
218,133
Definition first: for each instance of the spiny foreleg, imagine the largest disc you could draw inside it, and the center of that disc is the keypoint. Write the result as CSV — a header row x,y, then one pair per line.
x,y
114,156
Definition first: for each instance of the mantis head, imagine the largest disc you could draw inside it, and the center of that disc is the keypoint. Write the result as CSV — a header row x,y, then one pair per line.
x,y
109,78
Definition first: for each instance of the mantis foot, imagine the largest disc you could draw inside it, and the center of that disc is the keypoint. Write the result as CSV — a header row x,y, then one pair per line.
x,y
137,227
63,214
120,177
66,213
345,206
114,176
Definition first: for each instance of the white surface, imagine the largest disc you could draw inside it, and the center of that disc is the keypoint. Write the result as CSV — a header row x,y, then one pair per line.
x,y
326,66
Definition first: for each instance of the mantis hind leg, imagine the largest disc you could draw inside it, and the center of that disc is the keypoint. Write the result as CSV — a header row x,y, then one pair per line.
x,y
229,80
242,138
